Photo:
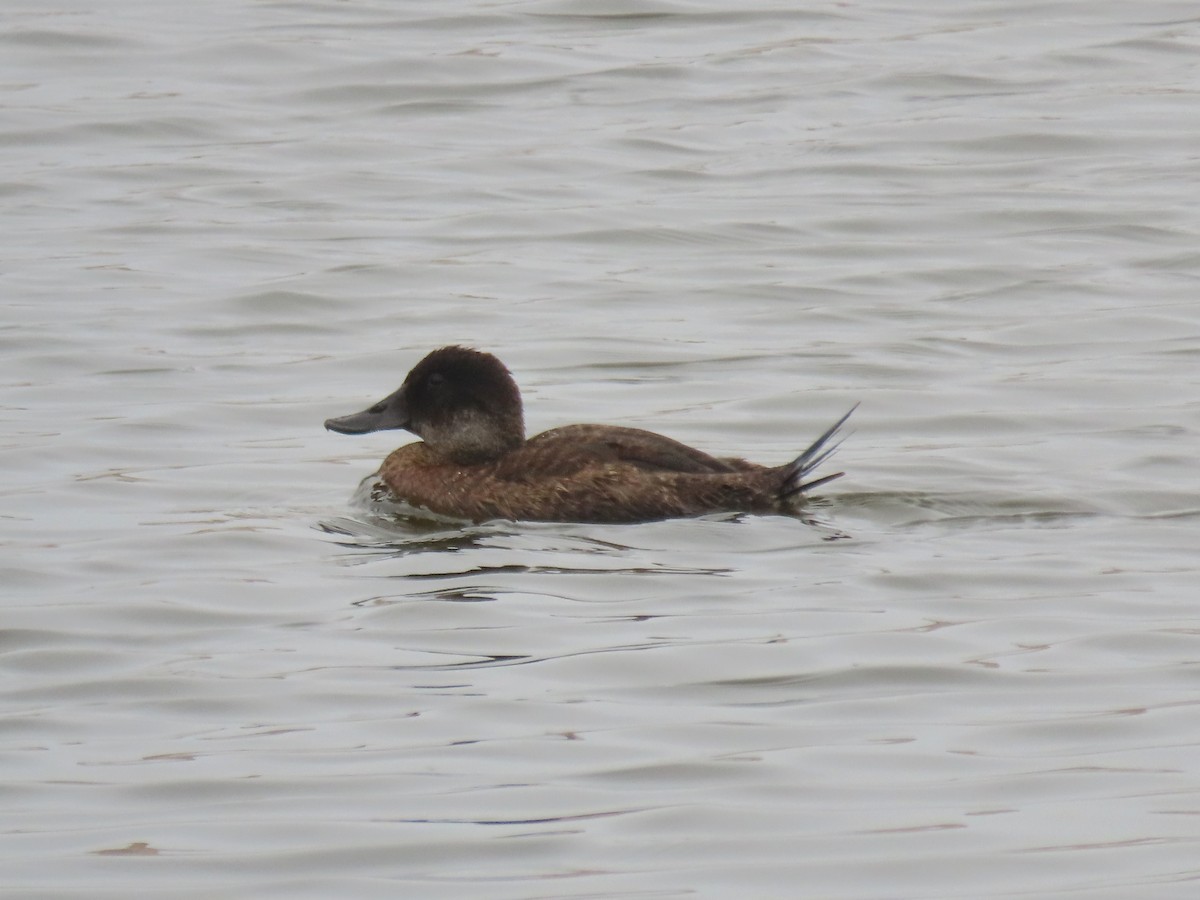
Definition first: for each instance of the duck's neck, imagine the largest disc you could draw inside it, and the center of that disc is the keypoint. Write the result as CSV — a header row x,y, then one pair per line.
x,y
475,437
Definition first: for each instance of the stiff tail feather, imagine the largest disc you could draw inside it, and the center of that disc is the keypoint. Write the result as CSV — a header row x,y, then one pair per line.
x,y
804,464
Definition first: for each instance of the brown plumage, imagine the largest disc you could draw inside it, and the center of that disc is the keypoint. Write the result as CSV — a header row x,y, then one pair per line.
x,y
475,463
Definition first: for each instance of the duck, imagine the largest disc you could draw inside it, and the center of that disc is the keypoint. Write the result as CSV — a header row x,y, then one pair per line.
x,y
473,461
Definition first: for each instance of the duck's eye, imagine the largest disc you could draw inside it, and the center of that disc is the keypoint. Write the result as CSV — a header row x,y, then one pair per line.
x,y
437,379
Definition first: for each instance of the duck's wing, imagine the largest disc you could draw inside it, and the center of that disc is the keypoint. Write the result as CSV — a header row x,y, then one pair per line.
x,y
573,448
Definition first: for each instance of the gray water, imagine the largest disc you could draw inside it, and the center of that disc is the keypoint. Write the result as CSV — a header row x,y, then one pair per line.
x,y
972,673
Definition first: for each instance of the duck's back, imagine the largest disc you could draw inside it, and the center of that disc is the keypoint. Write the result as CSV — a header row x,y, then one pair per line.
x,y
573,448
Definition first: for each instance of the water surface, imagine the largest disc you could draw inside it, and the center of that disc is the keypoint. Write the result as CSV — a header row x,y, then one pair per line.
x,y
971,673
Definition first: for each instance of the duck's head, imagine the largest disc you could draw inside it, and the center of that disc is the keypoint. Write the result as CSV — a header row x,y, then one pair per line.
x,y
462,403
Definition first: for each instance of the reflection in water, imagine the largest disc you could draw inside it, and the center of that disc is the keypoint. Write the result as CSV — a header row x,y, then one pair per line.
x,y
379,539
901,509
386,528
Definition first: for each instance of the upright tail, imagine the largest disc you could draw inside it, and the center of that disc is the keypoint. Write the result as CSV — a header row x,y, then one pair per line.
x,y
803,465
